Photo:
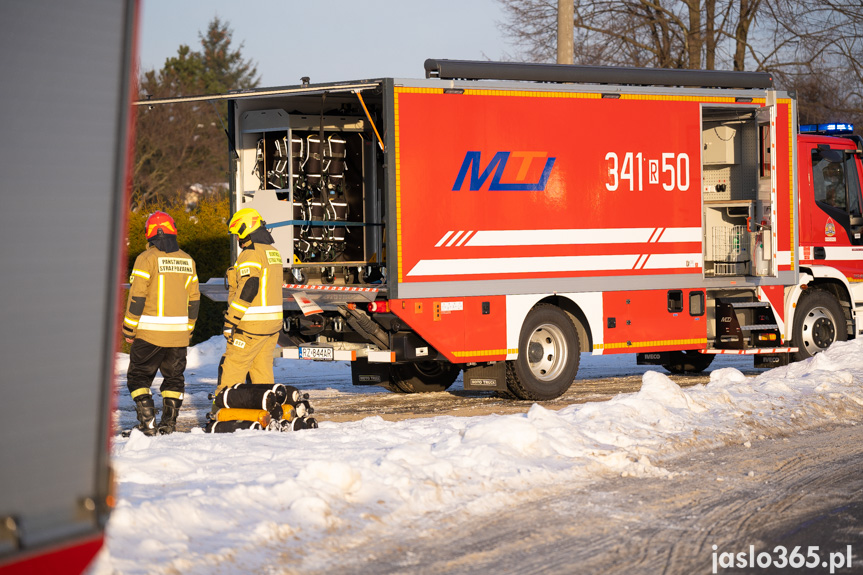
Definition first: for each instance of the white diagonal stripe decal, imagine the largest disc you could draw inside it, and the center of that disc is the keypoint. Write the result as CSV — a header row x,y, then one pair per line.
x,y
454,238
461,241
443,239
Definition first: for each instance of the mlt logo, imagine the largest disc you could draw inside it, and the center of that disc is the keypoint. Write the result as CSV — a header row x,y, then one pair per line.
x,y
498,165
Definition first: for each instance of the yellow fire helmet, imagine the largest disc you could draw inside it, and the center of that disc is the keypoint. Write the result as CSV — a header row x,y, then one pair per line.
x,y
244,222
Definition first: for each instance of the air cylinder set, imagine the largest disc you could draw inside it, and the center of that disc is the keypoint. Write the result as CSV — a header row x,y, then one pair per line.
x,y
271,406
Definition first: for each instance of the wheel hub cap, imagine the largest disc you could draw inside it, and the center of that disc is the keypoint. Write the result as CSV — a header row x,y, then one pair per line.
x,y
547,352
823,333
819,330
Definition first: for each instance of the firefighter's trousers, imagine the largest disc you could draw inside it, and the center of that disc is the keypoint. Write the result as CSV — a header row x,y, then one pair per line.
x,y
145,359
248,354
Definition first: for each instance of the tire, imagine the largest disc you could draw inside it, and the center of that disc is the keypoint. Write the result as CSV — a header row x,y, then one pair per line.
x,y
390,386
688,361
548,355
423,377
818,323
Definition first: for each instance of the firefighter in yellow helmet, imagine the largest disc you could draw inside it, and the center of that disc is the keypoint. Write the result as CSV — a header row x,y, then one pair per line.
x,y
160,315
254,315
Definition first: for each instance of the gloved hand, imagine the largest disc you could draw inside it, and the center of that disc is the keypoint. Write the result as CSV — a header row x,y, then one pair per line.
x,y
228,331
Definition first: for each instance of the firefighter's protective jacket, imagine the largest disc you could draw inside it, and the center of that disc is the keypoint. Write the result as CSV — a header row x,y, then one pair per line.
x,y
164,298
255,291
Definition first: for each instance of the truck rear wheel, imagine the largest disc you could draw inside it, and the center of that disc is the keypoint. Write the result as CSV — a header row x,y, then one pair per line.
x,y
688,361
548,355
818,323
423,377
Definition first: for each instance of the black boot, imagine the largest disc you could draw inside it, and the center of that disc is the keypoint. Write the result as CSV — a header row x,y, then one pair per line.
x,y
170,411
146,414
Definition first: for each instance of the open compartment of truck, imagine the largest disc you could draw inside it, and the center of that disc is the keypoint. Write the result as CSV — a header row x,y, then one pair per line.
x,y
310,162
738,191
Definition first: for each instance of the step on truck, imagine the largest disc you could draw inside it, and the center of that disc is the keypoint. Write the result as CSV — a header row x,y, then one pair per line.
x,y
498,219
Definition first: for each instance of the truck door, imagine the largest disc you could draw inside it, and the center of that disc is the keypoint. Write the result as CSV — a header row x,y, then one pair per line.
x,y
835,214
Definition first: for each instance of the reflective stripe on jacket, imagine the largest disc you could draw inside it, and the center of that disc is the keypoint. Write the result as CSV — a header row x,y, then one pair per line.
x,y
163,298
262,314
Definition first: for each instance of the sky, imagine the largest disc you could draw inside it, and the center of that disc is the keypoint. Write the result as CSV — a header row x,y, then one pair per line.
x,y
329,40
204,504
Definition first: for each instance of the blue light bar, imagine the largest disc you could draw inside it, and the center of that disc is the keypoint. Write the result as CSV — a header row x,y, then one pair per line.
x,y
833,129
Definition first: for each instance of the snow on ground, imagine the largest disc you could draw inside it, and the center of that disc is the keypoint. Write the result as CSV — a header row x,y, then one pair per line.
x,y
195,503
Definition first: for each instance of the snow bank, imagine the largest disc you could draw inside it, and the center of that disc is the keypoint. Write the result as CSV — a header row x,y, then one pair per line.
x,y
197,503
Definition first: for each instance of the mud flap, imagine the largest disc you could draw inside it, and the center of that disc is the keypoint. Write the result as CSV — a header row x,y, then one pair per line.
x,y
770,361
653,358
486,377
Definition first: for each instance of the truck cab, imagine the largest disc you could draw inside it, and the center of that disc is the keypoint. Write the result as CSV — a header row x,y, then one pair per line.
x,y
831,225
831,230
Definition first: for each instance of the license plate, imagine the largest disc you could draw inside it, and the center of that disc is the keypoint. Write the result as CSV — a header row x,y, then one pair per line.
x,y
317,353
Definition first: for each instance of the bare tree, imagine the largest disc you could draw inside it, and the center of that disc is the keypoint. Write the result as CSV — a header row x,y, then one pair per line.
x,y
812,46
815,47
659,33
176,145
725,34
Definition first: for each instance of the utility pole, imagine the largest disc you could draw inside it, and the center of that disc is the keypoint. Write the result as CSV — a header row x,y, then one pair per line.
x,y
565,15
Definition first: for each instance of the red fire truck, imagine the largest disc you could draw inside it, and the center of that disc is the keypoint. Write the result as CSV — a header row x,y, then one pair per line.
x,y
499,219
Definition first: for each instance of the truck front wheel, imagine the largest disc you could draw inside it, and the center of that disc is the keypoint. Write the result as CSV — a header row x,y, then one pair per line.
x,y
423,377
819,322
548,355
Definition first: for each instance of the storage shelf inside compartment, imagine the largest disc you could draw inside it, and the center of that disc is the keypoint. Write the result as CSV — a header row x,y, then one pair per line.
x,y
728,245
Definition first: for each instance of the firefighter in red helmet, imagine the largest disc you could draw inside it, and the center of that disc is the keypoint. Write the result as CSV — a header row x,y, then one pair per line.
x,y
160,316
